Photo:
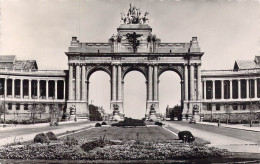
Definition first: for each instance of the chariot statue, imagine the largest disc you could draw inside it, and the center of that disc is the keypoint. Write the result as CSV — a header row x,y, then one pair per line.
x,y
133,16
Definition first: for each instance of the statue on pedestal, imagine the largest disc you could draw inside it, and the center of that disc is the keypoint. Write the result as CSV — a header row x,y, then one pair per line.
x,y
134,16
152,110
132,39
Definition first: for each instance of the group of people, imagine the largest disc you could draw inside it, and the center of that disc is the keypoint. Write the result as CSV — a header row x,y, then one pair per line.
x,y
134,16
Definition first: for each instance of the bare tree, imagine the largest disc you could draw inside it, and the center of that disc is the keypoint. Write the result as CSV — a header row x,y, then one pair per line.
x,y
41,109
55,111
3,110
36,109
228,112
252,110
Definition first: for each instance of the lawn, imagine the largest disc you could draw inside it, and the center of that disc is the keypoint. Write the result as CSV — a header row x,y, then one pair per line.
x,y
120,133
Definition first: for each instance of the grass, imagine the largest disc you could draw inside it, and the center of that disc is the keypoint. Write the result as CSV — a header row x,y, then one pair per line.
x,y
119,133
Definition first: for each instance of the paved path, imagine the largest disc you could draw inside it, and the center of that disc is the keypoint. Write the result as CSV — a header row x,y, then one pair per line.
x,y
222,139
23,133
233,126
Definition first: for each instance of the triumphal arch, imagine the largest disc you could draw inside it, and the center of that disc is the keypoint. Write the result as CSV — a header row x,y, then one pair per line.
x,y
134,47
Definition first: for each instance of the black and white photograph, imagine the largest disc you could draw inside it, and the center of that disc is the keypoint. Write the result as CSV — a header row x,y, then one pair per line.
x,y
129,81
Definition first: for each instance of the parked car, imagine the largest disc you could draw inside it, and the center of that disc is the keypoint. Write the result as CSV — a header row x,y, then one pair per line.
x,y
192,121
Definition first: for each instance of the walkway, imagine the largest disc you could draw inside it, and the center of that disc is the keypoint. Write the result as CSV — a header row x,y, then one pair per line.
x,y
220,140
233,126
27,132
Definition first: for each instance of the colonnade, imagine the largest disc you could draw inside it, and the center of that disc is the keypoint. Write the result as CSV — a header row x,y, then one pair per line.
x,y
228,94
37,86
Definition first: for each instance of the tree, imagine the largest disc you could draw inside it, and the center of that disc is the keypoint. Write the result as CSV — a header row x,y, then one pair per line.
x,y
41,109
228,112
36,109
94,114
252,110
33,112
55,111
3,109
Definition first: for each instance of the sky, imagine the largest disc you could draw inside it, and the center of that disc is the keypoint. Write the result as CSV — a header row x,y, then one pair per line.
x,y
41,30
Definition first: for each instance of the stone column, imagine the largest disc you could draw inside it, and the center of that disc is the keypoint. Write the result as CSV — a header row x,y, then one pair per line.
x,y
239,89
83,83
5,89
13,88
191,82
199,82
255,88
38,89
77,82
64,89
87,86
205,89
230,89
182,89
21,88
186,82
47,89
113,83
150,86
222,89
56,89
70,82
247,88
30,89
119,82
155,83
213,89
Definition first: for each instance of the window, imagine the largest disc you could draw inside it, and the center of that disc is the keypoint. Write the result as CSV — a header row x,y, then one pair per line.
x,y
9,106
218,107
244,106
234,107
17,106
209,107
25,107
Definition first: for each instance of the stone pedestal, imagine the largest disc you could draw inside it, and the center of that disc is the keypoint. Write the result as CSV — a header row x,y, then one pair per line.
x,y
117,107
153,115
81,109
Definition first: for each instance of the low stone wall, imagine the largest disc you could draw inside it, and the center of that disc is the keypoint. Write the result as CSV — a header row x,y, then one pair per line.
x,y
236,118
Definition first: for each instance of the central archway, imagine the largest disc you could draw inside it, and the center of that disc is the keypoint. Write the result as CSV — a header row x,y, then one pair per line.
x,y
170,91
134,94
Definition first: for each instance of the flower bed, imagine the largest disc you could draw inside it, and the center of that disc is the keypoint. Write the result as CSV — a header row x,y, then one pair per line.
x,y
123,150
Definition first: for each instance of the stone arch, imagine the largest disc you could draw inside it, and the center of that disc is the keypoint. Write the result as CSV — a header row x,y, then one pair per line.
x,y
174,68
141,69
91,69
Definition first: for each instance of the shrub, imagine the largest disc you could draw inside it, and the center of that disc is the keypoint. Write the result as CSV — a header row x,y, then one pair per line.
x,y
41,138
71,141
98,125
158,123
87,146
186,136
51,136
103,123
129,122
